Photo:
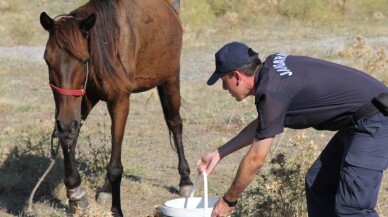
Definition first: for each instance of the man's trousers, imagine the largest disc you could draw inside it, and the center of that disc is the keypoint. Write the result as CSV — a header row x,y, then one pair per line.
x,y
346,177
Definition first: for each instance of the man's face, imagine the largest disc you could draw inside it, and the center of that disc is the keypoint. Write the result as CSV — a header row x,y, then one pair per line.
x,y
235,85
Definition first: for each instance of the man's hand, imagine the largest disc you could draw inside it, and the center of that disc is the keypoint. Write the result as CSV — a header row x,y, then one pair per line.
x,y
208,162
221,209
244,138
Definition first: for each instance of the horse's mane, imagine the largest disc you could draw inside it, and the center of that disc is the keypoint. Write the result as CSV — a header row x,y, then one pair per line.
x,y
67,38
103,42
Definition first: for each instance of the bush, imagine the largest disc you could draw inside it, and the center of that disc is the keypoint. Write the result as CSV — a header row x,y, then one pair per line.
x,y
373,61
280,190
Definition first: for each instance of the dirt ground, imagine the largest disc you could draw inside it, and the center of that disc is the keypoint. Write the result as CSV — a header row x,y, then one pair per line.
x,y
211,117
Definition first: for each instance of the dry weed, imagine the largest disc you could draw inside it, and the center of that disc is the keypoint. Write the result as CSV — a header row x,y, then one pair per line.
x,y
365,58
4,6
280,190
231,18
93,210
378,16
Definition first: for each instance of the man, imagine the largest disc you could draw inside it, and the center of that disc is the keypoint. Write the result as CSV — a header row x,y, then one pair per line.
x,y
300,92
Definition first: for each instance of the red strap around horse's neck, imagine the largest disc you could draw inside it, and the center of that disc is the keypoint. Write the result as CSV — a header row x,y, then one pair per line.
x,y
68,92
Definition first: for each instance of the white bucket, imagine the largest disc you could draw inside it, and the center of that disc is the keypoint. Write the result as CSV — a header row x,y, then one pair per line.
x,y
191,206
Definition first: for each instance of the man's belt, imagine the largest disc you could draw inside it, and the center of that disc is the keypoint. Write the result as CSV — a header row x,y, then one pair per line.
x,y
378,104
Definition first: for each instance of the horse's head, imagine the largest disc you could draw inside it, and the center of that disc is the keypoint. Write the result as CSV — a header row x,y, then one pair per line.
x,y
67,58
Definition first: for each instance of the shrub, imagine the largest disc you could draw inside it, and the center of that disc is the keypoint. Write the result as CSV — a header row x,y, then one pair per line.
x,y
368,59
280,190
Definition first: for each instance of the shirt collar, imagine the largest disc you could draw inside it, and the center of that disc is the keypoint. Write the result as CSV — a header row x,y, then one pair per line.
x,y
258,75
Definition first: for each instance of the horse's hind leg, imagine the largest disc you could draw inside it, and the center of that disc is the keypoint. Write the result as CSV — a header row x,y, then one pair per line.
x,y
170,99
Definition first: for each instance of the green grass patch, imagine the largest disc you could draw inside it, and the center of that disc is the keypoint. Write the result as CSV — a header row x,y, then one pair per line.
x,y
27,108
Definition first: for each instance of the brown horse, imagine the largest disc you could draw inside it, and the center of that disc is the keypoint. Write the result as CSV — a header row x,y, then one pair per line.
x,y
105,50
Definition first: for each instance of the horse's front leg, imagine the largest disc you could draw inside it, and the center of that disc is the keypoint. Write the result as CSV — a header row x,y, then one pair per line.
x,y
72,178
118,111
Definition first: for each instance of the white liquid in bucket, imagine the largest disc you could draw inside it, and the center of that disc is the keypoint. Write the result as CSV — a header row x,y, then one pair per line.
x,y
191,206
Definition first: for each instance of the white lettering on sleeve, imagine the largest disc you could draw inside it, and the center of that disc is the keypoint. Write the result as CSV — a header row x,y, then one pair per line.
x,y
279,64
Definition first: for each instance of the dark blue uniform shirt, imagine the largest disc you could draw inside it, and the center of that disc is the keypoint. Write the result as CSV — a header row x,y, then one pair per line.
x,y
301,92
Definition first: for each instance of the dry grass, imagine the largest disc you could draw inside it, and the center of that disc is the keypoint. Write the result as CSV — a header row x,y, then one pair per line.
x,y
19,19
210,115
366,58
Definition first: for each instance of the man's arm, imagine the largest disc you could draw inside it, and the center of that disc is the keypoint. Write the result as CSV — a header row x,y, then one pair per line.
x,y
244,138
249,166
251,163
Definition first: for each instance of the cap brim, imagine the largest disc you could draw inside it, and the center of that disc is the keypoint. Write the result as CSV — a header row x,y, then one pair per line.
x,y
214,78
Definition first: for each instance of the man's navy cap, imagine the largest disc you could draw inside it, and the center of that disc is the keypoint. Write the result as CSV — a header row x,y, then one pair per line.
x,y
229,57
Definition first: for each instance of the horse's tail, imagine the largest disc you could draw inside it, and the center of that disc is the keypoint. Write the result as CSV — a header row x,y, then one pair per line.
x,y
175,5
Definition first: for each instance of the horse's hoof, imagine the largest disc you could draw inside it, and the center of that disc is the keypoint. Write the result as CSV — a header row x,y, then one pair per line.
x,y
185,191
104,198
78,206
76,194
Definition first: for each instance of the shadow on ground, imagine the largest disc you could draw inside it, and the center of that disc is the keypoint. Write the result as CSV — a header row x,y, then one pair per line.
x,y
19,174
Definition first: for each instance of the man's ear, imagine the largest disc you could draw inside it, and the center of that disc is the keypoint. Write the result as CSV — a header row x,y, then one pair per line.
x,y
237,75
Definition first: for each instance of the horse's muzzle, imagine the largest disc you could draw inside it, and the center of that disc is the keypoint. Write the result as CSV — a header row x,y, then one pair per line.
x,y
67,131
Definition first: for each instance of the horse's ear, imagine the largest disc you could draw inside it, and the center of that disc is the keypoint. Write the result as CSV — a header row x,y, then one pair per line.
x,y
86,24
46,21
